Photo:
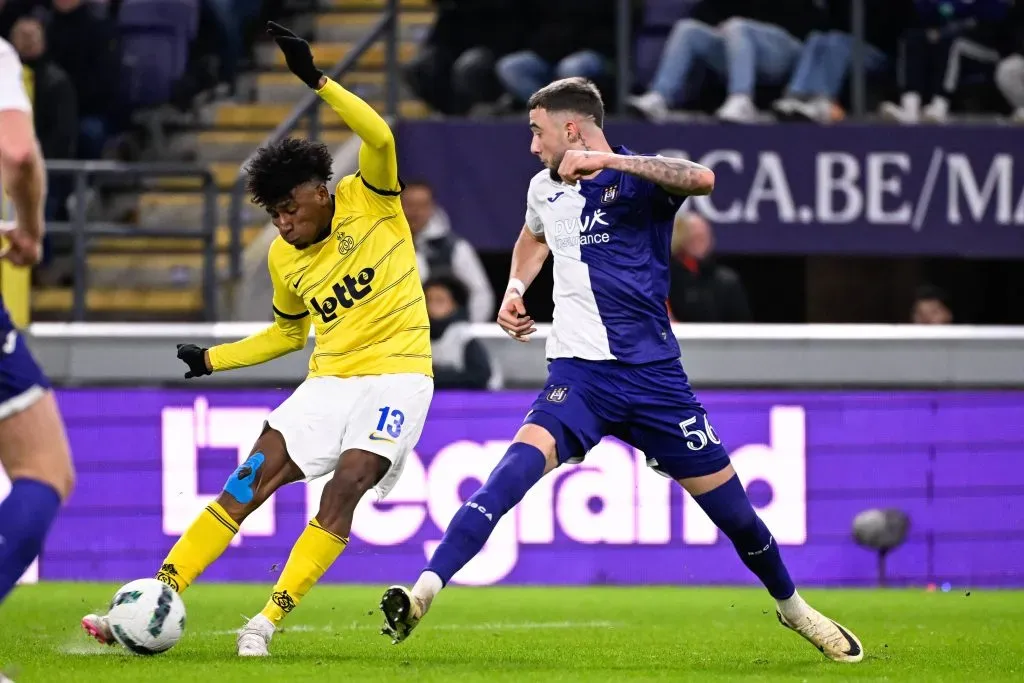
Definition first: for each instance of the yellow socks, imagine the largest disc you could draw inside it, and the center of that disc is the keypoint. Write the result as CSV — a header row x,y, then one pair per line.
x,y
312,554
211,533
201,544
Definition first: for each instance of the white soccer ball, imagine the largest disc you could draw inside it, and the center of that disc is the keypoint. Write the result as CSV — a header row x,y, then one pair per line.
x,y
147,616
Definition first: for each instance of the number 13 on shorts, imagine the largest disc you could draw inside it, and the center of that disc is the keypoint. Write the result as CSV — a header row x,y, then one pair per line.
x,y
391,420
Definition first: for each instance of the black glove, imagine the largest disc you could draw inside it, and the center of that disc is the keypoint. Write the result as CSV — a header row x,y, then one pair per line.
x,y
195,358
297,54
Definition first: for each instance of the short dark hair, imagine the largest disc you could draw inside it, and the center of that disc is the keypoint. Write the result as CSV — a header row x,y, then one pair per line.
x,y
420,182
575,94
931,293
459,291
278,169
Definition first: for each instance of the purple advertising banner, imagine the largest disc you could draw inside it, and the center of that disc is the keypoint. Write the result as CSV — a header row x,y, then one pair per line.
x,y
149,460
780,189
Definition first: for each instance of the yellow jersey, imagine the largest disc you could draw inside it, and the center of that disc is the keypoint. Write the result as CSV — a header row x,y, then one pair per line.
x,y
359,287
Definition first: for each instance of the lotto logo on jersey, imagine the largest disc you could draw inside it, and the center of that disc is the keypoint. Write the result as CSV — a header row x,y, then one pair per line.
x,y
581,231
346,294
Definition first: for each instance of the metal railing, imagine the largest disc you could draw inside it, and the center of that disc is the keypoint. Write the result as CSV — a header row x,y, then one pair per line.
x,y
83,231
309,108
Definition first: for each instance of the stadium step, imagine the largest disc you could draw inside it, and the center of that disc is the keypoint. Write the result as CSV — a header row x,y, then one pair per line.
x,y
377,4
326,55
159,209
121,303
224,174
235,145
141,247
272,87
352,26
270,115
148,270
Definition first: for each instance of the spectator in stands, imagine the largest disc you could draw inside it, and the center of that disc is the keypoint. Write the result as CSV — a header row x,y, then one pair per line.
x,y
566,38
440,252
1010,72
814,89
460,360
454,70
931,307
12,10
949,37
744,42
702,290
83,41
55,106
230,20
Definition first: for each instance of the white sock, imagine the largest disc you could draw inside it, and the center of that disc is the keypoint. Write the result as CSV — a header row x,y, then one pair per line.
x,y
427,587
939,106
793,607
911,102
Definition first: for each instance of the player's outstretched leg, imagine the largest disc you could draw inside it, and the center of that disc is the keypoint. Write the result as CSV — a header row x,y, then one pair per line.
x,y
267,469
722,497
320,544
34,453
525,462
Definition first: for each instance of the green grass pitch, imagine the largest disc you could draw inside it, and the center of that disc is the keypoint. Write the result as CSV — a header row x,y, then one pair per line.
x,y
530,634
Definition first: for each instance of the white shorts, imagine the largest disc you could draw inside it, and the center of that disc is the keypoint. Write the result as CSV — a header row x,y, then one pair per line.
x,y
326,416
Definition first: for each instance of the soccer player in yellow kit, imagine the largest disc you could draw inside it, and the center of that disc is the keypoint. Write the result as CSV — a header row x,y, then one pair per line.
x,y
346,265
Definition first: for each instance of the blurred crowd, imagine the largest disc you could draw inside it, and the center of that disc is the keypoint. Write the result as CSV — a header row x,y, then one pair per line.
x,y
97,63
459,292
744,60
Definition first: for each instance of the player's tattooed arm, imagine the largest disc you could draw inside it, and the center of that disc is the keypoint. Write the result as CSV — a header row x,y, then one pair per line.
x,y
677,176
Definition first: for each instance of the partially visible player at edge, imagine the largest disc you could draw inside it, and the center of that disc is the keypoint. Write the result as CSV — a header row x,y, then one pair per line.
x,y
606,214
34,449
346,262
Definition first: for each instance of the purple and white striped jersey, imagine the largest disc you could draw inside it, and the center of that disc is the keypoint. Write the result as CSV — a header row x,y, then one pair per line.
x,y
610,237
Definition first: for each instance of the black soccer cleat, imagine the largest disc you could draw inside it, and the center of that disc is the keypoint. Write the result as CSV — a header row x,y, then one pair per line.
x,y
401,613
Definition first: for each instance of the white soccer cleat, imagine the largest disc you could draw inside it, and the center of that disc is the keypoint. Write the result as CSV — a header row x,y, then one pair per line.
x,y
97,626
833,640
402,612
254,638
651,106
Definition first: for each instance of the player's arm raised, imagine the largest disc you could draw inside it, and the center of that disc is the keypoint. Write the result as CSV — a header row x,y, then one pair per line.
x,y
288,333
676,176
528,258
378,162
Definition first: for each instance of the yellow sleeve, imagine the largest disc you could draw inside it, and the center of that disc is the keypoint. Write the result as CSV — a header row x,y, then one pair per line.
x,y
378,162
288,333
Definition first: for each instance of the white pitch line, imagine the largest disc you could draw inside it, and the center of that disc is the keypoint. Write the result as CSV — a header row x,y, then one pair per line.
x,y
91,650
495,626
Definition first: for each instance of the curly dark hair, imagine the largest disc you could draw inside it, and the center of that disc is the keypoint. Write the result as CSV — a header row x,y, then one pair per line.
x,y
278,169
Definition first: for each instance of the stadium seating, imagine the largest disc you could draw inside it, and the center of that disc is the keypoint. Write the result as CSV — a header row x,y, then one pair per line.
x,y
166,284
155,38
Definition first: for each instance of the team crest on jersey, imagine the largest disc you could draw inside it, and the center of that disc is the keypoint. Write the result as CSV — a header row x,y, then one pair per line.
x,y
345,244
557,394
610,194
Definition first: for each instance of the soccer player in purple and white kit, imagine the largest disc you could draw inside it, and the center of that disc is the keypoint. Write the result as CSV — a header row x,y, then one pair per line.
x,y
33,448
606,214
